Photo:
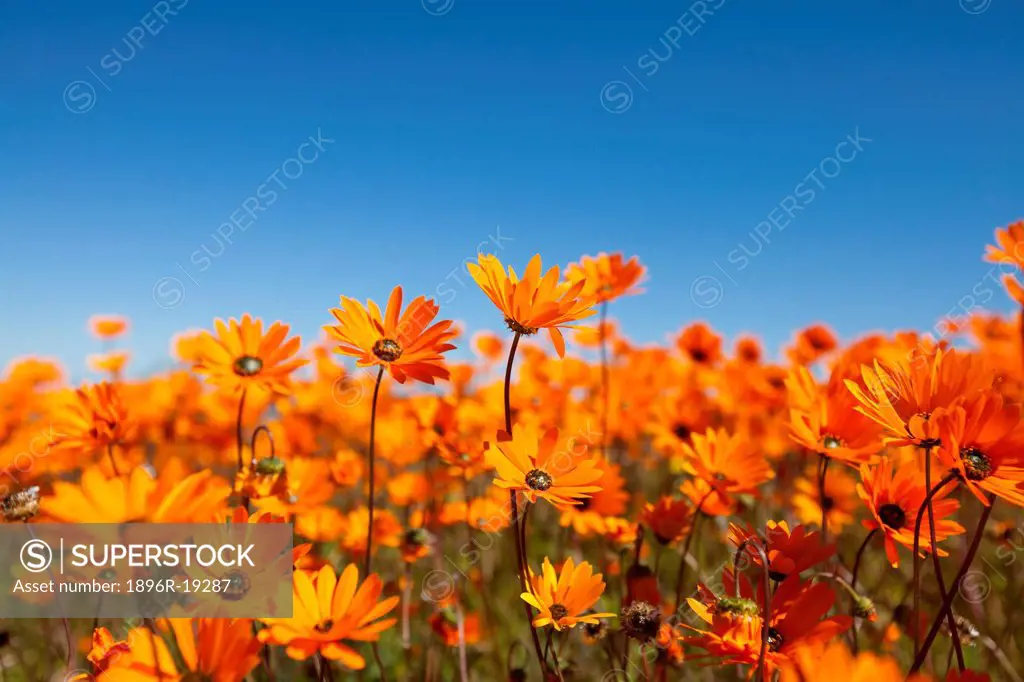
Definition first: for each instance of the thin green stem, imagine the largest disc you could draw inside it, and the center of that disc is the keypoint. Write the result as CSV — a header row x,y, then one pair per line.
x,y
947,602
370,458
925,507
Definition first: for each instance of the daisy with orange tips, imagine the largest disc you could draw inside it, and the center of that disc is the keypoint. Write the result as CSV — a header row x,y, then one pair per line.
x,y
789,552
827,422
700,344
108,327
902,396
797,623
214,649
727,464
607,276
239,355
529,462
667,519
404,343
105,652
835,662
94,418
1009,249
811,344
563,598
112,363
981,441
894,502
329,612
536,301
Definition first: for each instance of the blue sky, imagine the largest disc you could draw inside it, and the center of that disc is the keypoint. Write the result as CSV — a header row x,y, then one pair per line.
x,y
132,131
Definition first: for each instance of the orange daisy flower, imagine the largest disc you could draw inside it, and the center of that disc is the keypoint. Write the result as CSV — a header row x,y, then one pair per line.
x,y
240,356
797,624
108,326
404,343
607,276
789,552
527,461
562,598
895,500
94,418
982,442
700,344
836,662
811,344
1009,249
727,464
329,611
827,421
668,518
537,301
215,649
902,396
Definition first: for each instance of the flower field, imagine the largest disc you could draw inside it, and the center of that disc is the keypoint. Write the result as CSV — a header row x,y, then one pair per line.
x,y
567,505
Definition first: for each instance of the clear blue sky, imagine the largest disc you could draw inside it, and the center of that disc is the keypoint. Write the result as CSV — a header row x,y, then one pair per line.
x,y
121,152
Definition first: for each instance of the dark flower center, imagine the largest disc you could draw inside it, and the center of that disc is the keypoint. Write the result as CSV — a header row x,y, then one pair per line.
x,y
681,431
387,350
20,505
641,620
595,630
699,355
892,515
417,537
247,366
539,480
719,476
558,612
324,626
977,464
775,640
828,503
831,442
238,585
519,328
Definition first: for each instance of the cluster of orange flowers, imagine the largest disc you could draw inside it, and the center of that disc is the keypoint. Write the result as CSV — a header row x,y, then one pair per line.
x,y
620,470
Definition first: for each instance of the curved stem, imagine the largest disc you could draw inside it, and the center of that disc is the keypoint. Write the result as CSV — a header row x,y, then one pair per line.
x,y
514,505
860,554
373,478
954,631
262,428
380,663
926,506
853,577
767,597
947,602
